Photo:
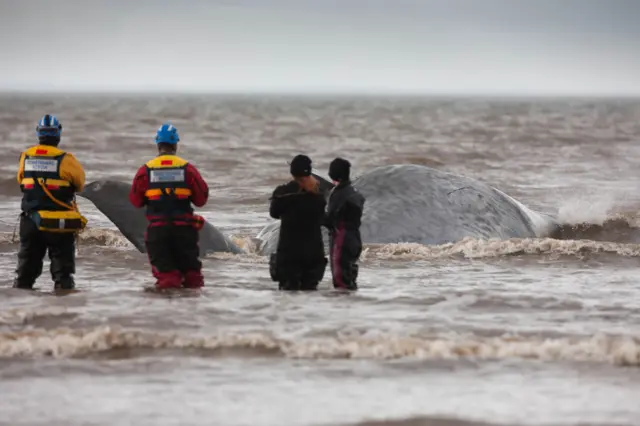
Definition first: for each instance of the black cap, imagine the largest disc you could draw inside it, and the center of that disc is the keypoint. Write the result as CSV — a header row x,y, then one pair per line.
x,y
301,166
339,169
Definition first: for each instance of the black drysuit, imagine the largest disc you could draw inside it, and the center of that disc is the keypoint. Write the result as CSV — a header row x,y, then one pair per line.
x,y
33,246
343,221
299,262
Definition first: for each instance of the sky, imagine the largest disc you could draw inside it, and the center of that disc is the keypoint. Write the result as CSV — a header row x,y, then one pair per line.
x,y
495,47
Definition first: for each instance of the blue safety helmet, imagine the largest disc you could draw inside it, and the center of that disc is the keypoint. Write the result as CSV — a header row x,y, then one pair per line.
x,y
49,126
167,133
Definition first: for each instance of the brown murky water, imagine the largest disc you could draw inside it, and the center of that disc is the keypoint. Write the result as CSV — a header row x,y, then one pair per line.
x,y
537,331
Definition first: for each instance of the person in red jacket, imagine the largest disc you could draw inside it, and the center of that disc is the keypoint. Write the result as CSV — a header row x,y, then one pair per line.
x,y
167,185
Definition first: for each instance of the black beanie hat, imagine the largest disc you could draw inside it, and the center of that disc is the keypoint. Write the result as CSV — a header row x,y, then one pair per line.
x,y
339,169
301,166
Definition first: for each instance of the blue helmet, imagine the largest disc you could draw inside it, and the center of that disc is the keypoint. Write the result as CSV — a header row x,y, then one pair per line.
x,y
167,133
49,126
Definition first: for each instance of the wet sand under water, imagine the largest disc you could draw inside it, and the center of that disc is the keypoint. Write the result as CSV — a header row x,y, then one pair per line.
x,y
518,332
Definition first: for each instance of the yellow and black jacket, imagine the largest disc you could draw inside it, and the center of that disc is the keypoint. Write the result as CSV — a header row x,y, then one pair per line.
x,y
168,192
46,173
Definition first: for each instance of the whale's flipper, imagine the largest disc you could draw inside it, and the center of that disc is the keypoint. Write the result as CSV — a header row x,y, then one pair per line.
x,y
112,199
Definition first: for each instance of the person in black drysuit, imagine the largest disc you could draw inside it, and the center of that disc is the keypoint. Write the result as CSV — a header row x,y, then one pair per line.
x,y
299,262
343,218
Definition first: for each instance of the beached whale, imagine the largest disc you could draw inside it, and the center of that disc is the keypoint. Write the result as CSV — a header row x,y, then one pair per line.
x,y
404,204
417,204
112,199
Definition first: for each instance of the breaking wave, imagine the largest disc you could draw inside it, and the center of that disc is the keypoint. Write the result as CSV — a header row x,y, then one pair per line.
x,y
468,248
45,315
619,230
618,236
599,217
472,249
63,343
90,236
104,237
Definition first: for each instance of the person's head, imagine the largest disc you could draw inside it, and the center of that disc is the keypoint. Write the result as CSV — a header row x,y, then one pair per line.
x,y
49,130
300,169
167,139
340,170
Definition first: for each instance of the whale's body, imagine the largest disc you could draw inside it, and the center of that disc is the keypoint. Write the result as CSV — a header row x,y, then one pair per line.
x,y
112,199
404,204
418,204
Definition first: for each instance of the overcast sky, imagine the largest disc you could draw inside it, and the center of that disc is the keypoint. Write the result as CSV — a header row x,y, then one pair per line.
x,y
440,47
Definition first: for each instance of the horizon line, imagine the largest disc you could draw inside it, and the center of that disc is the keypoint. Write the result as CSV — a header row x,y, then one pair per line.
x,y
320,92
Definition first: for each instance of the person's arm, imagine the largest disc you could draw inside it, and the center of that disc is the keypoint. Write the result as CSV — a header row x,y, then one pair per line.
x,y
350,215
20,174
198,186
277,202
71,170
351,212
281,198
138,188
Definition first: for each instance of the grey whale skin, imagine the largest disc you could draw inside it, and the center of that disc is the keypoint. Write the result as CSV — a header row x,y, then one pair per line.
x,y
404,204
417,204
112,199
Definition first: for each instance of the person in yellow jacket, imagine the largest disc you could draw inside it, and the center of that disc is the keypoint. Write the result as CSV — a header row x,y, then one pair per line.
x,y
49,179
